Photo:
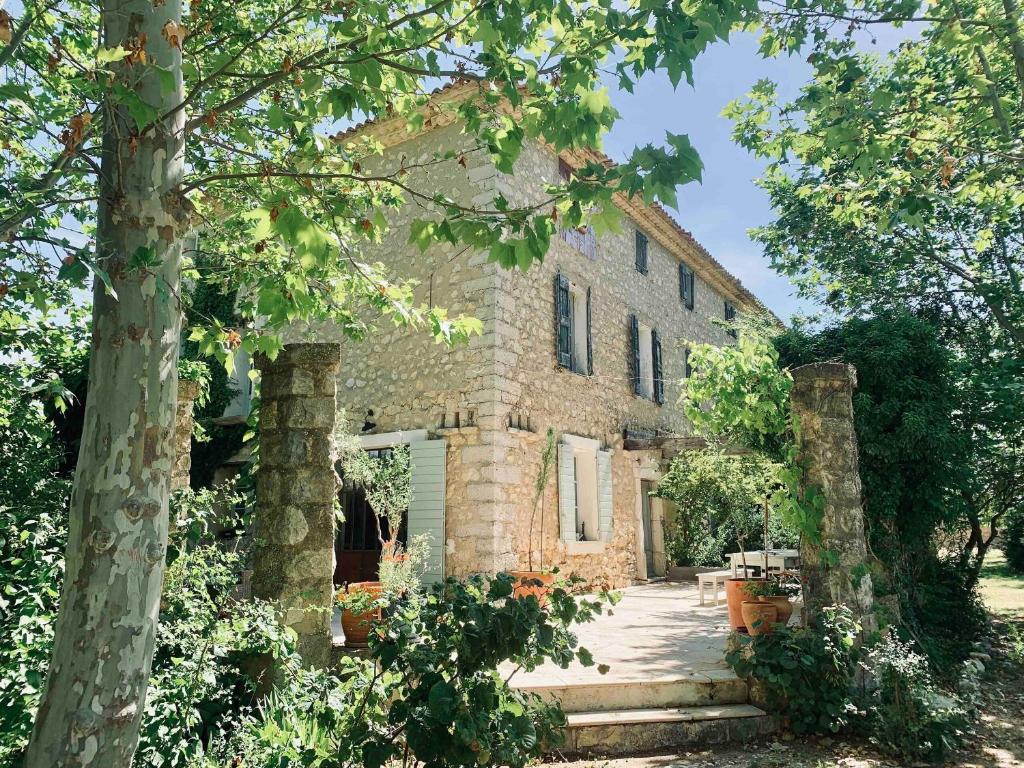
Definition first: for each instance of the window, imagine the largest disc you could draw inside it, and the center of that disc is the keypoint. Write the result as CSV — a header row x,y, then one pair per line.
x,y
641,252
730,317
584,490
582,239
648,378
687,368
687,285
572,326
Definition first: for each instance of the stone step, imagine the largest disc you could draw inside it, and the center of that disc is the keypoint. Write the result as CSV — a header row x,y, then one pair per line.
x,y
632,731
719,686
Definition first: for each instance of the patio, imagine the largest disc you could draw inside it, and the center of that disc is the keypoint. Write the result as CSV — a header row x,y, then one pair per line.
x,y
667,683
657,631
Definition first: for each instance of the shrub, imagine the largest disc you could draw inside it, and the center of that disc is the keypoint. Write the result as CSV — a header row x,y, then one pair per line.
x,y
430,693
806,671
906,714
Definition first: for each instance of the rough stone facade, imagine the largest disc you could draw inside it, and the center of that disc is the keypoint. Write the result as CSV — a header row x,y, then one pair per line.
x,y
836,570
296,487
187,393
493,399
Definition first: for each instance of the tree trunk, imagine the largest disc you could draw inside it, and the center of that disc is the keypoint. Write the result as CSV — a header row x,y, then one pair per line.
x,y
103,649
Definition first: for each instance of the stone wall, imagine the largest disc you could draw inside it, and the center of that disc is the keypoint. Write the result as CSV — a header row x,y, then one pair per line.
x,y
504,386
835,570
296,487
187,393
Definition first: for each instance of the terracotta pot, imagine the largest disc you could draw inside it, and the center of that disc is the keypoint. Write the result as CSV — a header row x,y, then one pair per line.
x,y
357,626
525,583
758,616
734,597
783,607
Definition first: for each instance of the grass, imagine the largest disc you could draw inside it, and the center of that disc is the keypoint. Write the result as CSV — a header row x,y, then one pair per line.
x,y
1001,589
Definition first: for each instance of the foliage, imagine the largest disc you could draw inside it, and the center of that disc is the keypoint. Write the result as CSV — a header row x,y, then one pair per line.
x,y
738,394
807,671
357,600
718,498
429,694
897,186
1013,540
918,469
774,585
401,574
907,715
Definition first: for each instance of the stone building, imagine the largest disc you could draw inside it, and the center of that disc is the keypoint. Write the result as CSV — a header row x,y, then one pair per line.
x,y
593,343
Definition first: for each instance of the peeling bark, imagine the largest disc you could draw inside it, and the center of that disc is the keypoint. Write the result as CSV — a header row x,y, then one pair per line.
x,y
105,633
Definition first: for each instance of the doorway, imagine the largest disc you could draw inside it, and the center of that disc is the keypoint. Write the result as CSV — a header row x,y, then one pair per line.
x,y
646,486
357,546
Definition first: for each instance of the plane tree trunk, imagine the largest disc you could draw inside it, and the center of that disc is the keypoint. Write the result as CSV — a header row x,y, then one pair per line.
x,y
105,632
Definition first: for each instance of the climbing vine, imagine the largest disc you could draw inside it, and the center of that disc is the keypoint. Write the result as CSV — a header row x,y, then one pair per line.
x,y
739,395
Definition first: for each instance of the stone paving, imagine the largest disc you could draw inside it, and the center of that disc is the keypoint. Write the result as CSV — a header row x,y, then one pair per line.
x,y
657,631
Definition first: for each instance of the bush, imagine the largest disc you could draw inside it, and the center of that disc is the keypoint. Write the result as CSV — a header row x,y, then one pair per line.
x,y
907,716
806,671
430,693
1013,539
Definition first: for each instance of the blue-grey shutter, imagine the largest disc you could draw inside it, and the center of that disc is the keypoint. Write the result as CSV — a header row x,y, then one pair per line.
x,y
687,368
604,495
590,344
659,380
634,336
641,252
426,507
687,284
563,322
566,493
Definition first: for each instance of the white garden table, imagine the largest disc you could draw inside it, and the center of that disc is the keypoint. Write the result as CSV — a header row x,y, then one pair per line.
x,y
778,560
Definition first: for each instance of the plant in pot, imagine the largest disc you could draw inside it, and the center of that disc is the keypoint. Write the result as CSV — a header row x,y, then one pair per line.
x,y
361,605
777,589
537,582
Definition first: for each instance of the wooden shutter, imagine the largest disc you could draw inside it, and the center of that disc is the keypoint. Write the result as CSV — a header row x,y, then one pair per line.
x,y
687,368
604,495
426,507
730,316
641,252
634,336
563,322
687,284
590,343
659,381
566,493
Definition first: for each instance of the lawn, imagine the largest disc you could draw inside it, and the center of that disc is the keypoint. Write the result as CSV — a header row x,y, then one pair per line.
x,y
1001,589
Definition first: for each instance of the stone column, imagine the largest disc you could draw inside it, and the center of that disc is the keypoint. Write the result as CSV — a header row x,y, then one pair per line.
x,y
187,393
836,569
296,485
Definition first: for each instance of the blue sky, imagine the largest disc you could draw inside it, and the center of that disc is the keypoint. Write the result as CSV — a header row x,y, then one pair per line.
x,y
720,210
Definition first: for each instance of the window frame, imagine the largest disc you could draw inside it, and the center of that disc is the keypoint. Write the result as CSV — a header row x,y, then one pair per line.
x,y
641,252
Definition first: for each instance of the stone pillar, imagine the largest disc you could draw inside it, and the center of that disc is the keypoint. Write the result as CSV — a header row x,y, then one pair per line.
x,y
836,569
187,393
296,486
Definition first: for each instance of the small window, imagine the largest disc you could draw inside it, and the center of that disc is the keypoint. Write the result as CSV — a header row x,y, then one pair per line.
x,y
687,285
687,368
584,490
641,252
730,317
646,363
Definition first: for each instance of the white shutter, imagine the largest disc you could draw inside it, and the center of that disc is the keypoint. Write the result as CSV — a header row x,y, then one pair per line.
x,y
566,493
604,494
426,507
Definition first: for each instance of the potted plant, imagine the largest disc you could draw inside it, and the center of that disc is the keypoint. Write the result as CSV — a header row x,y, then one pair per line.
x,y
537,582
758,617
360,607
776,589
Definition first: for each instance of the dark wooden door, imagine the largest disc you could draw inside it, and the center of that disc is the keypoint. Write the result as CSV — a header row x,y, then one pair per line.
x,y
645,510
